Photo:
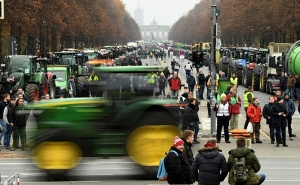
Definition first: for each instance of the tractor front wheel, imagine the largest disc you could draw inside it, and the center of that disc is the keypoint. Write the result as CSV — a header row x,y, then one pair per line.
x,y
32,92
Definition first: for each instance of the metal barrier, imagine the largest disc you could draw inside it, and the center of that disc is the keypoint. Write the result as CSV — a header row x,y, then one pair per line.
x,y
13,180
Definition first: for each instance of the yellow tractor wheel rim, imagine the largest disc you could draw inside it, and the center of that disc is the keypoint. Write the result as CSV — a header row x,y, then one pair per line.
x,y
57,155
146,145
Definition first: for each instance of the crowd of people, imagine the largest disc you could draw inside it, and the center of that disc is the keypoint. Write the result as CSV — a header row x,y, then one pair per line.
x,y
209,165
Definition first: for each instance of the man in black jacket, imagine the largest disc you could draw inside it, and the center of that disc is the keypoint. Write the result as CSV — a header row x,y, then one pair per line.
x,y
267,114
279,113
201,82
208,164
177,166
188,138
20,125
10,119
7,86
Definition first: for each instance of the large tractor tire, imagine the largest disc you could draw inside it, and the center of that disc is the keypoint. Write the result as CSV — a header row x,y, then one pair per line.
x,y
247,76
158,128
239,75
263,80
79,90
255,82
224,68
32,92
52,89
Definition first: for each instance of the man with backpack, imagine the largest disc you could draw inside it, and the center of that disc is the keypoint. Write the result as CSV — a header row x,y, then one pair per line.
x,y
244,165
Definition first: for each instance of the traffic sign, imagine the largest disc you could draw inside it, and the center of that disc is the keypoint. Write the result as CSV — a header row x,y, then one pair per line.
x,y
1,9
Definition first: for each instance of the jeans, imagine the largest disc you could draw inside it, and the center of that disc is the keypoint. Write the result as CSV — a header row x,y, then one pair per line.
x,y
262,178
289,124
247,119
191,89
272,133
201,90
281,132
4,129
298,93
187,73
196,131
174,94
8,135
162,91
290,90
222,121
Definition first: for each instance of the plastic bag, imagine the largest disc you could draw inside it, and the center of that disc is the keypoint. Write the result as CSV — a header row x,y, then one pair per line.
x,y
250,128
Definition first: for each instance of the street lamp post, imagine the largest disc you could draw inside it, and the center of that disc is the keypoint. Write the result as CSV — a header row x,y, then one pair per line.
x,y
212,65
252,41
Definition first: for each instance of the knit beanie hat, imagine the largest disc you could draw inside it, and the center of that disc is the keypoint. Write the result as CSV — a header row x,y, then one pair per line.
x,y
279,98
210,144
177,141
285,93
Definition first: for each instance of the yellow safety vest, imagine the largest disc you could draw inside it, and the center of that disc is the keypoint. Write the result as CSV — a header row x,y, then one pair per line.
x,y
234,81
246,103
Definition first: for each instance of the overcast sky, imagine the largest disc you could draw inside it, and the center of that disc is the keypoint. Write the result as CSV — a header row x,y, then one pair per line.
x,y
166,12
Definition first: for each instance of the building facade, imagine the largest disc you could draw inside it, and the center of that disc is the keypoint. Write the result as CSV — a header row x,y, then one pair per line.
x,y
154,32
139,16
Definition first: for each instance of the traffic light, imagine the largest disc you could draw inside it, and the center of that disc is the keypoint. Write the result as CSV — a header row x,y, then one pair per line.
x,y
199,59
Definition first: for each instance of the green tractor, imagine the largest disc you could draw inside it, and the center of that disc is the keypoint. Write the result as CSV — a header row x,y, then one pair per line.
x,y
113,125
30,73
65,64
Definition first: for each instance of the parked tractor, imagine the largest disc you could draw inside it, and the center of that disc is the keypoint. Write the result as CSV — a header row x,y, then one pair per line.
x,y
68,63
30,73
272,68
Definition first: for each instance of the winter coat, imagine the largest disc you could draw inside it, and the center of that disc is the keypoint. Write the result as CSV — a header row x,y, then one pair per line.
x,y
162,82
254,112
201,79
7,86
207,166
175,83
11,113
21,116
166,72
191,81
290,106
291,81
297,85
3,104
279,120
190,115
267,112
252,164
187,151
282,81
178,168
234,106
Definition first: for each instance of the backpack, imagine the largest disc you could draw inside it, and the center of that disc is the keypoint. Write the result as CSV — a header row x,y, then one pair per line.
x,y
240,171
162,172
233,100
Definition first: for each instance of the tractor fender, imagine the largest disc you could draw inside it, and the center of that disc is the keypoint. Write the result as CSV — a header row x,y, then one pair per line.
x,y
50,77
225,60
257,69
251,65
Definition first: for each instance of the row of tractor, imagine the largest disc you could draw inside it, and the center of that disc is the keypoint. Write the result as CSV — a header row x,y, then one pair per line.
x,y
261,68
50,75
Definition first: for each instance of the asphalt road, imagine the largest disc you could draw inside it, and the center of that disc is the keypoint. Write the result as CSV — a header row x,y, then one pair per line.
x,y
280,165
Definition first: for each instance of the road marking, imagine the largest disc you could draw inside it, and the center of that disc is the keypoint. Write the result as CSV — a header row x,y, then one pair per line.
x,y
80,163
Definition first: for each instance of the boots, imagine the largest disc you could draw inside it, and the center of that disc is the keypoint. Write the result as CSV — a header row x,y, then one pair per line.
x,y
285,145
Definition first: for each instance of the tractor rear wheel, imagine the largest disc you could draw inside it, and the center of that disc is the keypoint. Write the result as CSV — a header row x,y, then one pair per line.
x,y
32,92
239,75
79,90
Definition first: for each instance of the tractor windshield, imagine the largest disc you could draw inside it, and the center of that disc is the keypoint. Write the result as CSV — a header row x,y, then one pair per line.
x,y
20,64
67,60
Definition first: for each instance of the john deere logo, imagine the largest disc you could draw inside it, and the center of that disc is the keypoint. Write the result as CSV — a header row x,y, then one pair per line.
x,y
1,9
